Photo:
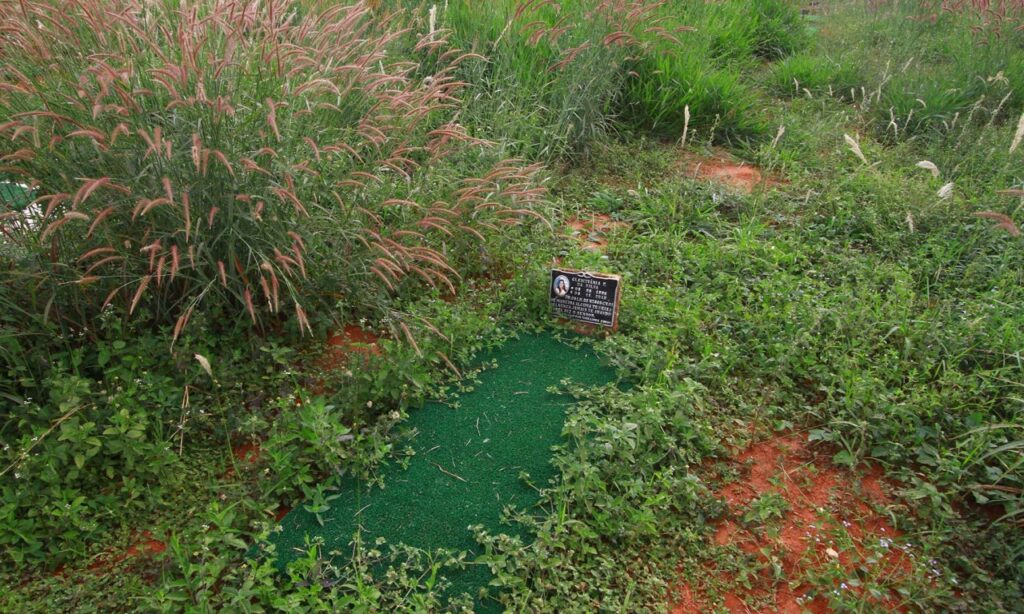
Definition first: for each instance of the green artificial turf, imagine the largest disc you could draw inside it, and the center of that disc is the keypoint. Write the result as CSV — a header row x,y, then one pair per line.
x,y
504,427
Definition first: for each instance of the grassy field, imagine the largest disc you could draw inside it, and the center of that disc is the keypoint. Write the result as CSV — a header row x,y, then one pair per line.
x,y
268,239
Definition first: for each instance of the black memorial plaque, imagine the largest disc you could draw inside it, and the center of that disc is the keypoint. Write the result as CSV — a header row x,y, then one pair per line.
x,y
586,297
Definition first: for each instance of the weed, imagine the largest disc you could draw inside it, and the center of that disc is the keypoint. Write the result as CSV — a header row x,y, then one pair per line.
x,y
765,508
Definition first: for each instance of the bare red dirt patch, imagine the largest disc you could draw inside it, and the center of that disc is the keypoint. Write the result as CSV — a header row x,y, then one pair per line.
x,y
820,526
722,169
351,341
145,545
591,230
248,452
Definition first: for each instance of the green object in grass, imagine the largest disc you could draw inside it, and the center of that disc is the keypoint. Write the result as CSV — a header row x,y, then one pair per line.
x,y
468,462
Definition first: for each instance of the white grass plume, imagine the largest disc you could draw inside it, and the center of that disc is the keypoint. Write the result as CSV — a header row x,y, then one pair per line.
x,y
778,135
855,148
929,166
204,363
1017,138
686,125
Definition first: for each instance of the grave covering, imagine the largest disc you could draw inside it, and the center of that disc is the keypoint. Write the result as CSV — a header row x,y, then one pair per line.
x,y
504,427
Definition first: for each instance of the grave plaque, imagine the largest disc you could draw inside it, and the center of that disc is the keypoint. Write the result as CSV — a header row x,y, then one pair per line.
x,y
586,297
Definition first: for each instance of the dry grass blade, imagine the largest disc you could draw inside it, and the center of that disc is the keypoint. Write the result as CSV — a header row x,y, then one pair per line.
x,y
449,364
686,125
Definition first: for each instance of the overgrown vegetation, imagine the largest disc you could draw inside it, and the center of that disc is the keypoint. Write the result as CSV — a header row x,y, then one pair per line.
x,y
209,194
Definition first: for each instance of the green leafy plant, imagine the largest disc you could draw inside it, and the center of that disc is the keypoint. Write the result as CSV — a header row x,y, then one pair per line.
x,y
769,506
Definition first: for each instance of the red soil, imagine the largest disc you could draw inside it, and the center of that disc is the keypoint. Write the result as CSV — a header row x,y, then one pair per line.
x,y
144,546
822,502
723,170
356,338
591,231
247,452
351,341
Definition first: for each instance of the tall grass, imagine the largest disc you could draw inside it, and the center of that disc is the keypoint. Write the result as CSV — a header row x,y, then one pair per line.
x,y
554,71
811,74
183,151
696,82
928,67
559,75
